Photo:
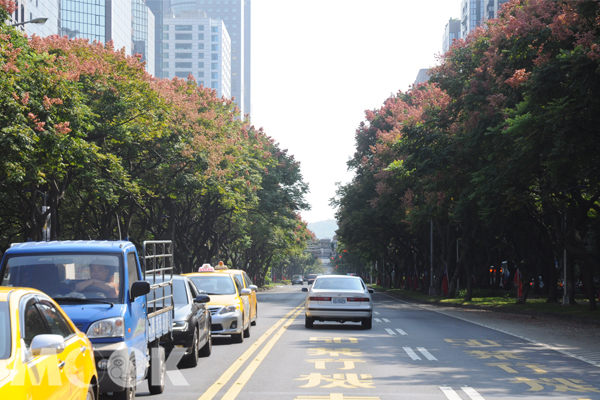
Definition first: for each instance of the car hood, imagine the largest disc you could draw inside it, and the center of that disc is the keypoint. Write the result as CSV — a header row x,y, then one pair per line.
x,y
182,311
223,299
83,315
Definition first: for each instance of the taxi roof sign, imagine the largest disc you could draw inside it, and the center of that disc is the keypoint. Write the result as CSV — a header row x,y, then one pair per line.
x,y
206,268
221,266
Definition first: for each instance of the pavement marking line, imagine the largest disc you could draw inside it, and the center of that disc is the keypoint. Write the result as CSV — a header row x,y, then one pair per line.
x,y
427,354
411,353
239,384
450,394
400,331
561,351
472,393
376,320
391,332
386,320
237,364
375,312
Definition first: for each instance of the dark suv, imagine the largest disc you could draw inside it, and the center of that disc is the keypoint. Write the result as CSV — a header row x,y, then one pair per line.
x,y
311,278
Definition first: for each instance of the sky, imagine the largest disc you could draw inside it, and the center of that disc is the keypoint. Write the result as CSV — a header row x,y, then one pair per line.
x,y
318,65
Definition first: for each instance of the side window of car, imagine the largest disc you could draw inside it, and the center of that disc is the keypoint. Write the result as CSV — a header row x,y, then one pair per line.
x,y
34,323
132,268
192,290
247,279
238,284
57,323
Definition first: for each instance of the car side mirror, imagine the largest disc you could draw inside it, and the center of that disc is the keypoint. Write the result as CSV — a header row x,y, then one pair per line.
x,y
46,344
371,290
246,292
305,289
139,288
253,287
202,298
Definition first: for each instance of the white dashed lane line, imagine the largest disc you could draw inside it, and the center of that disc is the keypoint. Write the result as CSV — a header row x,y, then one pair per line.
x,y
452,395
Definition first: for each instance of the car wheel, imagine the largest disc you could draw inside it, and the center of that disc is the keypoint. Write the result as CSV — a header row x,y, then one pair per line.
x,y
191,360
247,331
130,384
237,338
206,350
367,323
156,384
308,321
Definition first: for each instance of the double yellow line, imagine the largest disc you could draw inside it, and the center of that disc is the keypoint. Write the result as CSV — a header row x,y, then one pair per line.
x,y
247,374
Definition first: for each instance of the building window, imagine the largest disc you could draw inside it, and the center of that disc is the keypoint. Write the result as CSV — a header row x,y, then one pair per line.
x,y
214,75
200,55
165,65
165,55
200,65
214,47
165,45
182,74
200,74
201,36
183,46
214,85
200,46
183,27
183,36
214,57
214,66
165,36
183,55
200,27
183,65
214,38
214,29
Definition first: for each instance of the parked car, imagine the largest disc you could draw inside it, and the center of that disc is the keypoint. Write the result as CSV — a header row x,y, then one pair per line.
x,y
338,298
297,280
192,320
42,354
229,303
244,281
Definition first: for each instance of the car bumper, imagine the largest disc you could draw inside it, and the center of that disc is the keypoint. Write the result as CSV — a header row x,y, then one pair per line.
x,y
111,378
222,324
328,314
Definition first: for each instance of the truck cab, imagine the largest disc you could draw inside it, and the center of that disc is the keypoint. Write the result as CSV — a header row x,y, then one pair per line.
x,y
101,287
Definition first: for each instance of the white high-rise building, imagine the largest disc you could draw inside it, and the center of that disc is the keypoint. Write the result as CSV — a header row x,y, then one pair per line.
x,y
471,15
197,45
491,8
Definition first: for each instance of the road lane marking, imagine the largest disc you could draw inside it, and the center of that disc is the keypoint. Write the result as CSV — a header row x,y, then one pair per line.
x,y
335,396
228,374
376,320
375,312
391,332
450,394
400,331
472,393
386,320
239,384
426,354
411,353
333,339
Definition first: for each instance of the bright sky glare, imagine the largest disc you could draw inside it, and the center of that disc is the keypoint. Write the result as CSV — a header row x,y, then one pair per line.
x,y
317,65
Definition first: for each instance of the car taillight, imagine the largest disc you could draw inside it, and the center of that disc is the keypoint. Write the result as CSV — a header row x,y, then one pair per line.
x,y
320,298
358,299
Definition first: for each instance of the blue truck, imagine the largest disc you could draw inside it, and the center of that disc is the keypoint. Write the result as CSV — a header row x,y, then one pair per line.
x,y
102,286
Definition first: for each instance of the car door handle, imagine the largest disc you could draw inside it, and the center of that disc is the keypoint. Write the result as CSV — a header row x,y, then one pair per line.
x,y
83,349
61,364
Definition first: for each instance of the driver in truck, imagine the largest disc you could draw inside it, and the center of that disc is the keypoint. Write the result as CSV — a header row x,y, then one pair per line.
x,y
101,279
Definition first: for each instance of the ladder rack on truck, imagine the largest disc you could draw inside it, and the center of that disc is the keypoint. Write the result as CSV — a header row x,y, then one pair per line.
x,y
158,262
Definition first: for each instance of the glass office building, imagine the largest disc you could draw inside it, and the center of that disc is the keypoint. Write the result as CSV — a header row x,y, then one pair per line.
x,y
142,25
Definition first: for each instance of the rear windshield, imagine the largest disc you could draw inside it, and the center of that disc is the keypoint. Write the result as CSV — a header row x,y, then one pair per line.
x,y
85,276
214,284
338,284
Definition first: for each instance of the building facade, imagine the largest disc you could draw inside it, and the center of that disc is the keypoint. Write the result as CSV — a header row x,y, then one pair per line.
x,y
194,44
143,41
451,32
471,15
236,14
491,8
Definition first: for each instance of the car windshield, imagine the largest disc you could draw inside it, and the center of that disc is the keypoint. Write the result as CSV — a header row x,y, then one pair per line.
x,y
5,340
180,297
214,284
338,284
74,276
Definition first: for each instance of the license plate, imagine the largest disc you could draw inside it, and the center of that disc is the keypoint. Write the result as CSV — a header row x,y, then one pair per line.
x,y
339,300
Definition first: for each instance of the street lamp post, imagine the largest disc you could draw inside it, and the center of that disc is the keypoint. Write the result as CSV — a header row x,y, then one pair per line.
x,y
39,21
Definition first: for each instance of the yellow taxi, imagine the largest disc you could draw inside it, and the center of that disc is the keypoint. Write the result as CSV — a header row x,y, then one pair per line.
x,y
42,354
244,281
229,302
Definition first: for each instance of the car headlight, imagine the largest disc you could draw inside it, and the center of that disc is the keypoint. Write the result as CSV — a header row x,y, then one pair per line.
x,y
228,309
110,327
180,325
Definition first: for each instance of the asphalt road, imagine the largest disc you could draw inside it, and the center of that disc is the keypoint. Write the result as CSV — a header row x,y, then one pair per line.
x,y
411,353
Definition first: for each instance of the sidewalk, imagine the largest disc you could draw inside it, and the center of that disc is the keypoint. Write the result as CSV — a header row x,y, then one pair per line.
x,y
571,337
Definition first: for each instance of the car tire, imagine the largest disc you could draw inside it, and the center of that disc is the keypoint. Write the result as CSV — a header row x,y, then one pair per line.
x,y
206,350
367,323
129,392
238,337
191,360
247,331
253,323
308,322
158,386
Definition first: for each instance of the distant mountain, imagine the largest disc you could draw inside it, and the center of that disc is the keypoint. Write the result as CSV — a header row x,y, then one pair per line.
x,y
324,229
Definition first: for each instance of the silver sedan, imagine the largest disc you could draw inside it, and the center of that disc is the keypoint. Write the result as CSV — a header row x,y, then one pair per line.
x,y
338,298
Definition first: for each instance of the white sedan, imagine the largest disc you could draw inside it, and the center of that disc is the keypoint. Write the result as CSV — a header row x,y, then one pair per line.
x,y
338,298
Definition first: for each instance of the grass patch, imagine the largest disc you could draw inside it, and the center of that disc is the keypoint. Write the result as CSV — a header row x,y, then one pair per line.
x,y
483,298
